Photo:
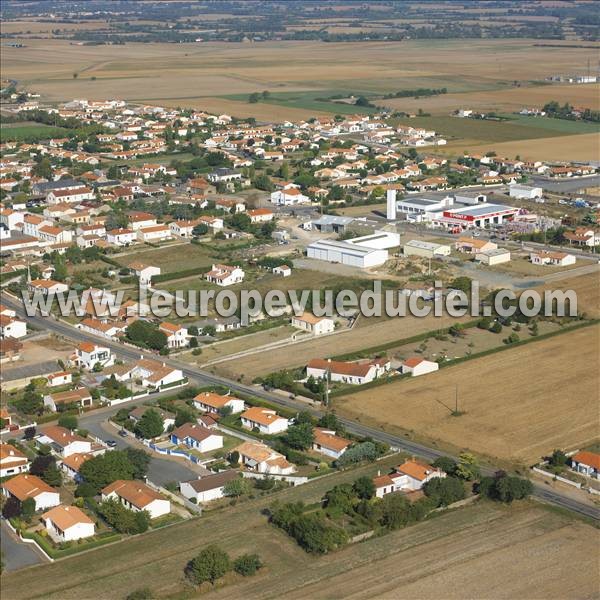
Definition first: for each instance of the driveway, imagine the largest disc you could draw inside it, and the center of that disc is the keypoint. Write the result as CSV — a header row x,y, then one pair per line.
x,y
15,553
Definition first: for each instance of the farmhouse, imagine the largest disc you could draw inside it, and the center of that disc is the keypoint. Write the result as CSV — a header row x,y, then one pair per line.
x,y
137,496
327,442
353,373
224,275
213,403
80,397
560,259
267,421
258,457
68,523
12,461
24,486
416,366
197,437
586,463
207,488
426,249
315,325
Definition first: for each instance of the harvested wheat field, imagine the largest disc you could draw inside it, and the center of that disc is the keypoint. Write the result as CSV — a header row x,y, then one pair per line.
x,y
587,288
367,333
583,147
518,404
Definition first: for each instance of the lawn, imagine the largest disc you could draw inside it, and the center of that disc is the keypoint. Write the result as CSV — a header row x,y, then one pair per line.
x,y
170,259
30,132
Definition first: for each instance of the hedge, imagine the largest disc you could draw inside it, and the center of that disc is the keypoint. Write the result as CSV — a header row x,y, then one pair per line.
x,y
53,552
110,261
179,274
12,275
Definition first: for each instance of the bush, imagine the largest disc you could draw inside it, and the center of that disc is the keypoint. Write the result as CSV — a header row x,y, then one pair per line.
x,y
210,564
444,490
247,564
140,594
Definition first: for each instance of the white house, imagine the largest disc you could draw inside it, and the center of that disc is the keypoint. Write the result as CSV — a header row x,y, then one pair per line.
x,y
59,378
121,237
12,328
154,233
282,270
197,437
419,366
224,275
409,476
258,457
24,486
137,496
68,523
558,259
260,215
47,286
525,191
586,463
89,354
64,442
213,403
327,442
156,375
71,464
289,197
354,373
315,325
207,488
74,195
144,272
12,461
177,335
267,421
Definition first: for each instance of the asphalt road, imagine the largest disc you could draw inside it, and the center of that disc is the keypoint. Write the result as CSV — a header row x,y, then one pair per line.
x,y
15,553
540,492
564,186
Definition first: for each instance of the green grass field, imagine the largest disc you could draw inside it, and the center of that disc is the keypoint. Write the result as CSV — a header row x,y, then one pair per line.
x,y
556,126
29,132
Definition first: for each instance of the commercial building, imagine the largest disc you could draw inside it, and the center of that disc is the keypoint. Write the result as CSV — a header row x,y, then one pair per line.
x,y
346,253
525,192
482,215
426,249
496,256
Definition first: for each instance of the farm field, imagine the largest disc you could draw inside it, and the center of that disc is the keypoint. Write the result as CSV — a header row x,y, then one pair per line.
x,y
170,259
582,147
479,550
29,132
184,74
587,288
366,333
508,413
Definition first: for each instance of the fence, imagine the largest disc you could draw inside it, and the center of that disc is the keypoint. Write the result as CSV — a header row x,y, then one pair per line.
x,y
294,480
557,477
175,498
118,401
174,452
29,541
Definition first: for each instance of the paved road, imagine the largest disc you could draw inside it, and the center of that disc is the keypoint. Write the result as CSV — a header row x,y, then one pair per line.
x,y
564,186
540,492
15,553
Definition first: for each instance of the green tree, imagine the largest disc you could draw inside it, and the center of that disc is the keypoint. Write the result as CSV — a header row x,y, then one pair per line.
x,y
446,464
101,470
263,182
237,487
140,594
53,476
68,421
28,509
558,458
395,512
247,564
210,564
300,436
444,490
496,327
150,425
140,461
364,488
11,508
468,467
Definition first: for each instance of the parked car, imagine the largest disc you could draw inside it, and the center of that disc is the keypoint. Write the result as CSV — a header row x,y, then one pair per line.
x,y
123,433
111,443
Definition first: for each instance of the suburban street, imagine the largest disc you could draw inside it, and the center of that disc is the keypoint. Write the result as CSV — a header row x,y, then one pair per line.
x,y
15,553
203,378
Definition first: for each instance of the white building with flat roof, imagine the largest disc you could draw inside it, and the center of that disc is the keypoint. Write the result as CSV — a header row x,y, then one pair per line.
x,y
525,192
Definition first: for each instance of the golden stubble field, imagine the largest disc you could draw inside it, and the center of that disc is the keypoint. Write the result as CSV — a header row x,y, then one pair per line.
x,y
183,74
518,404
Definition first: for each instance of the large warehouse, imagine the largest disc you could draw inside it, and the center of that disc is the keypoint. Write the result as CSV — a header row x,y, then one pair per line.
x,y
346,253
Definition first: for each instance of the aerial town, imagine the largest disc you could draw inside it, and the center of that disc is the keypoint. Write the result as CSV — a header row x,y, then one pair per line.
x,y
235,449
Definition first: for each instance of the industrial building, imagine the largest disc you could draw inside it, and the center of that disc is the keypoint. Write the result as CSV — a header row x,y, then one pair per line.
x,y
493,257
426,249
381,240
525,192
346,253
481,215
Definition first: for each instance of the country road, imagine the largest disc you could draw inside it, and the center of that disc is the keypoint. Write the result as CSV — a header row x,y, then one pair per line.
x,y
541,492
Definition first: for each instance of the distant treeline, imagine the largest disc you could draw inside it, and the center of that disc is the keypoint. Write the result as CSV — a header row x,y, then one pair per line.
x,y
416,93
566,111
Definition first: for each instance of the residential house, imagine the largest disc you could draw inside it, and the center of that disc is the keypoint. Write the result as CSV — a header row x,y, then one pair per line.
x,y
557,259
137,496
416,366
72,463
586,463
289,197
583,236
89,354
12,461
214,403
107,330
121,236
68,523
10,327
64,442
144,272
266,421
154,233
224,275
327,442
354,373
47,286
283,270
139,220
315,325
177,335
260,215
72,196
194,435
260,458
474,245
60,378
229,205
411,475
24,486
210,487
156,375
80,397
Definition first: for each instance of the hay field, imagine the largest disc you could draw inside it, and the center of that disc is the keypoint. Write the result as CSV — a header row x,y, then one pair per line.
x,y
587,288
367,333
186,73
482,550
519,404
584,147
